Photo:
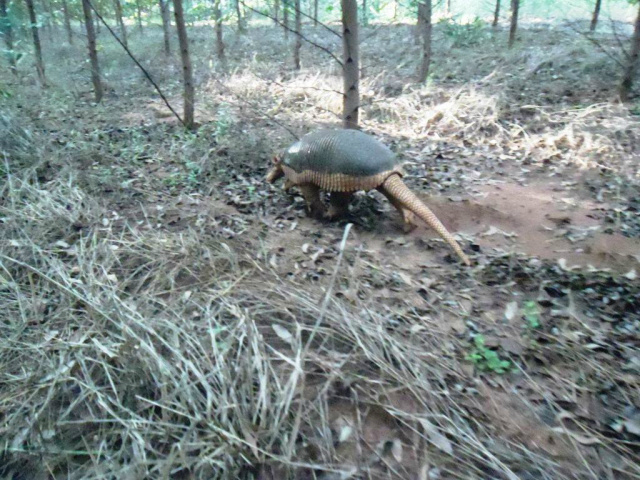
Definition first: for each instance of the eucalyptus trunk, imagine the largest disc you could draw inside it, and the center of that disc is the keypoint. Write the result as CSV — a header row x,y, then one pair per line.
x,y
595,16
496,14
93,52
426,26
7,33
350,64
123,30
67,22
166,25
515,6
285,19
35,35
298,45
139,14
217,12
183,40
633,62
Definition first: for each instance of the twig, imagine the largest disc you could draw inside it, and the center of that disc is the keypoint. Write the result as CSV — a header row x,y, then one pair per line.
x,y
323,25
324,49
596,43
146,74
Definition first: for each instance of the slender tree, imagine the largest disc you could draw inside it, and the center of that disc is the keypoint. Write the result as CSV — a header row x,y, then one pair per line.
x,y
515,6
166,25
48,17
139,15
276,11
298,44
595,16
217,13
240,17
183,40
496,14
35,34
448,7
123,30
67,22
7,32
633,62
285,19
93,52
365,18
350,61
424,20
315,13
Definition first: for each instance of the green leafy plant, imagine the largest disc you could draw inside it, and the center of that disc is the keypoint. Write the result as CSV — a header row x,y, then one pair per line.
x,y
464,35
486,359
531,314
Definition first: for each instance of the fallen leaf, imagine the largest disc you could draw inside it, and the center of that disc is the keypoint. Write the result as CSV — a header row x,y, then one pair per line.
x,y
435,437
282,333
511,310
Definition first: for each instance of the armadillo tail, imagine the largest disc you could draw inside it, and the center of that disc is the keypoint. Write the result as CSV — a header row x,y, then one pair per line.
x,y
395,187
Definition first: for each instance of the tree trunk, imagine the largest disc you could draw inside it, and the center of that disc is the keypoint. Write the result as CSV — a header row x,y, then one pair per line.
x,y
67,22
217,13
424,14
364,13
49,16
189,92
120,20
166,25
515,5
7,33
632,62
276,11
139,13
239,15
298,45
350,60
36,42
285,19
315,13
596,14
496,14
448,7
93,52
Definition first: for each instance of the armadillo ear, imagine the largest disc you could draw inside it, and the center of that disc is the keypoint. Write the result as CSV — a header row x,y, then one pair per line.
x,y
276,159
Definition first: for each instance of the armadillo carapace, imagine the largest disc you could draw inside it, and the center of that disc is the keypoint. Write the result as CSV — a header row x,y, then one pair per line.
x,y
343,162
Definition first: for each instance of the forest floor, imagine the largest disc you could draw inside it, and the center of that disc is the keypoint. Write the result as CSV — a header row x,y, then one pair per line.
x,y
167,314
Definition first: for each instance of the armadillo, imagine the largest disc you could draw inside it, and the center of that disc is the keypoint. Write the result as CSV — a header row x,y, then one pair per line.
x,y
344,161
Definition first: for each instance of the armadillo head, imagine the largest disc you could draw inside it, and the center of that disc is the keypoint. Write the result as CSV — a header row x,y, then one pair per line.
x,y
276,171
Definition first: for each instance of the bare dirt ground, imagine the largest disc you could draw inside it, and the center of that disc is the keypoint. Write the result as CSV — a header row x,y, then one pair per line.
x,y
167,314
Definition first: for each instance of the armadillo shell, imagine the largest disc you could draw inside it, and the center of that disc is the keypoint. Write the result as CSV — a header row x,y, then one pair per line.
x,y
340,160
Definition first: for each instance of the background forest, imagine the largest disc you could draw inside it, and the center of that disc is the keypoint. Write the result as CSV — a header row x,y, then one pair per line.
x,y
167,314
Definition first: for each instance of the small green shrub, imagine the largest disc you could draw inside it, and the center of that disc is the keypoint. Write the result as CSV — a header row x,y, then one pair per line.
x,y
486,359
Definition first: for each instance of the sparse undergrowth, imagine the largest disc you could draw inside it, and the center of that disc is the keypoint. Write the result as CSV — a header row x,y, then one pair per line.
x,y
148,329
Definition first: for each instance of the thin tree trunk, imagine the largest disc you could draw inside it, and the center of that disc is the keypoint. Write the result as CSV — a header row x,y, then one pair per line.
x,y
7,33
239,15
632,62
448,7
189,92
49,16
496,14
315,13
120,20
424,13
67,22
276,11
364,13
36,42
298,44
219,40
515,5
139,13
350,60
93,52
166,25
285,19
596,14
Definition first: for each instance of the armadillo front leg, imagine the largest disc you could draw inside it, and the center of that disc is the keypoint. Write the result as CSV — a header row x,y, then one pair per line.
x,y
338,204
311,194
408,216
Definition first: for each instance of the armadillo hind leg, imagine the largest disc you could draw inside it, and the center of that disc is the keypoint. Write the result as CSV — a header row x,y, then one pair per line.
x,y
315,207
410,221
338,204
395,187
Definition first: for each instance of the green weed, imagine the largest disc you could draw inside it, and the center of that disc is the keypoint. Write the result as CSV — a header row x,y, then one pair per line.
x,y
485,359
